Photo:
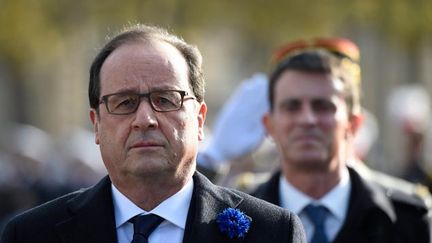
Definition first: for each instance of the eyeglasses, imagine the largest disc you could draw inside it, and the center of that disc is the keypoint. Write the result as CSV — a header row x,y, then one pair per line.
x,y
340,46
161,101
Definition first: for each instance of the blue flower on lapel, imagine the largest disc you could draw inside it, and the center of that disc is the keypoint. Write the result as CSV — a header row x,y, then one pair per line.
x,y
233,222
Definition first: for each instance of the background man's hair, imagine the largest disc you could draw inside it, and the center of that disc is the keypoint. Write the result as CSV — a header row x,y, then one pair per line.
x,y
325,62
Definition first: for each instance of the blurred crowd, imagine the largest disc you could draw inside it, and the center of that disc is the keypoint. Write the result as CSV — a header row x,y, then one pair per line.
x,y
36,167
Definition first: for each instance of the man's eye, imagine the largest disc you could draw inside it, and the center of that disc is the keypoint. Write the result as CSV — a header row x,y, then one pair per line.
x,y
164,101
125,103
290,106
323,106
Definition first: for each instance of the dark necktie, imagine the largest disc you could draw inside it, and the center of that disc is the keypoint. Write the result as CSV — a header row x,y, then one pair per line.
x,y
144,226
317,214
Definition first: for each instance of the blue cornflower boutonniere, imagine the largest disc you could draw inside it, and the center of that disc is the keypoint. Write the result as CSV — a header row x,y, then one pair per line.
x,y
233,222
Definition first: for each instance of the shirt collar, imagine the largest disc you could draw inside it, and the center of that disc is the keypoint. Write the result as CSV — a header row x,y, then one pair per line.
x,y
335,200
290,197
173,209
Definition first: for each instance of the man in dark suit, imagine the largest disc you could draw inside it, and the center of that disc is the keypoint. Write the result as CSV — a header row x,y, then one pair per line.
x,y
146,95
314,95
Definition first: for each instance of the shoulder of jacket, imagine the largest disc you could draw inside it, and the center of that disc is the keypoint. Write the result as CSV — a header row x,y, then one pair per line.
x,y
397,189
408,201
404,192
45,211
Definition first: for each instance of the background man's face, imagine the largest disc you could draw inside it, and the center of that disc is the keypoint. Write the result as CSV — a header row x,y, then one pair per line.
x,y
309,122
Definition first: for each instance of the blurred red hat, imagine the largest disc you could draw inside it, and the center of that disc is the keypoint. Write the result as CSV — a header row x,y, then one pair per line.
x,y
340,46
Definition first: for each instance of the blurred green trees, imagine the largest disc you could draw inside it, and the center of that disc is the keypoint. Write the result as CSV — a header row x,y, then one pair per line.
x,y
42,37
28,27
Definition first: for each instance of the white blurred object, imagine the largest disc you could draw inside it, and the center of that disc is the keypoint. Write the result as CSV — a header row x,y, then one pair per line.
x,y
427,163
78,143
409,105
29,141
366,136
238,130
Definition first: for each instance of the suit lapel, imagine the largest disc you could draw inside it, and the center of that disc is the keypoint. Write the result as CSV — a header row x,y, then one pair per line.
x,y
207,202
92,216
370,214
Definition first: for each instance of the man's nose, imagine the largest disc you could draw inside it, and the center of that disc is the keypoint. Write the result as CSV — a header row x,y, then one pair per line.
x,y
145,116
307,115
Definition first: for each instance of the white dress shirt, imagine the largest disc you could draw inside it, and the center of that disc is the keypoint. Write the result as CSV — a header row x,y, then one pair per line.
x,y
174,210
336,201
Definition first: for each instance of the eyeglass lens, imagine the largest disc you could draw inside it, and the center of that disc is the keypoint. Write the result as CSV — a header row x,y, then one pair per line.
x,y
125,103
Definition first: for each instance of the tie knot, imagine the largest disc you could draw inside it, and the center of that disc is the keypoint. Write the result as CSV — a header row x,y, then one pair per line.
x,y
144,225
317,214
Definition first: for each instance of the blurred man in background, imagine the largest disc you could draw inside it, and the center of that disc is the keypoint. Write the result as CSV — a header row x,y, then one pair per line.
x,y
315,112
409,109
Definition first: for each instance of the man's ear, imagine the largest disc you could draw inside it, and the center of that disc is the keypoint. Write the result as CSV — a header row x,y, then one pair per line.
x,y
94,117
267,122
201,119
356,121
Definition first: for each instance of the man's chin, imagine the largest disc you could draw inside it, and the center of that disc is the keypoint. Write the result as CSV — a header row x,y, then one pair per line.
x,y
147,167
310,152
309,145
311,160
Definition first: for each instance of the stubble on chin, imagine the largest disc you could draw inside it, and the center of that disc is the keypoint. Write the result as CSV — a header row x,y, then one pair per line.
x,y
307,161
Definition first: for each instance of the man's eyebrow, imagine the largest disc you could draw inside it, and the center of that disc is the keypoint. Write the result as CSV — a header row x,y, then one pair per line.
x,y
124,90
290,101
166,87
291,98
136,90
322,99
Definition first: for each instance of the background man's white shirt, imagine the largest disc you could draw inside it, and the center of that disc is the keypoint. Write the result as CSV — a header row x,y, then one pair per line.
x,y
336,201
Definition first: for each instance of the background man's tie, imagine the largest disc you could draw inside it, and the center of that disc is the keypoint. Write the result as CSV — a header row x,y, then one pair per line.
x,y
317,214
144,226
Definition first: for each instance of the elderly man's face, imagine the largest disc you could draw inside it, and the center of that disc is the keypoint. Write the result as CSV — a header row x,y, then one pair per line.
x,y
310,122
148,143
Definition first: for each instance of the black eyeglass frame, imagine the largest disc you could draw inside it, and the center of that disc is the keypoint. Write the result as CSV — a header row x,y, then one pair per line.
x,y
183,94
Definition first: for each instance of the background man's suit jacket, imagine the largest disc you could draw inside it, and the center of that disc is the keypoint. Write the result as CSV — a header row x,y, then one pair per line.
x,y
375,213
88,216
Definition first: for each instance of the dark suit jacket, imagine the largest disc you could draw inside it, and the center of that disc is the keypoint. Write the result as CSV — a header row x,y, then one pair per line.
x,y
88,216
375,213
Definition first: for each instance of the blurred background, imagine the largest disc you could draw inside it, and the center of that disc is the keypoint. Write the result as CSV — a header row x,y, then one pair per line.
x,y
46,47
